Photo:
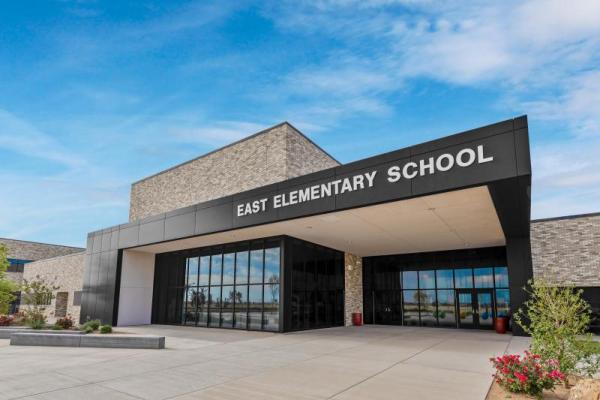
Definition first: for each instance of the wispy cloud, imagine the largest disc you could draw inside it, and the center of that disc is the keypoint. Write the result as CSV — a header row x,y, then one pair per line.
x,y
19,136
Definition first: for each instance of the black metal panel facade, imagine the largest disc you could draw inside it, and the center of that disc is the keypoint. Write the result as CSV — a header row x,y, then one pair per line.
x,y
314,289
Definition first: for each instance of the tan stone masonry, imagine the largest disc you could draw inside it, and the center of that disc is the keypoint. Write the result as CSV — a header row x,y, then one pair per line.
x,y
353,294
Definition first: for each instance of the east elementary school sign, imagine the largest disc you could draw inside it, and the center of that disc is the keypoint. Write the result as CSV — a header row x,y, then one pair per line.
x,y
444,162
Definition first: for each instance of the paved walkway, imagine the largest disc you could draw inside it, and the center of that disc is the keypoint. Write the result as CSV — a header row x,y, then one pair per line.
x,y
374,362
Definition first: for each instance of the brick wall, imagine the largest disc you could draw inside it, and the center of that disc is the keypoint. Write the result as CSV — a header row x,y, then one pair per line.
x,y
65,272
274,155
567,250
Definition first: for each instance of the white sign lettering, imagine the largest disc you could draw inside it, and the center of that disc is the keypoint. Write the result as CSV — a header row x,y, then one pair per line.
x,y
410,170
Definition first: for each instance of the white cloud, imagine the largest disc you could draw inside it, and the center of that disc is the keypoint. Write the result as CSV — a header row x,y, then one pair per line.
x,y
217,134
19,136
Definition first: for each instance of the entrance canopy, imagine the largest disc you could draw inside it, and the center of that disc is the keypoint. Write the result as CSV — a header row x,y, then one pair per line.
x,y
469,190
452,220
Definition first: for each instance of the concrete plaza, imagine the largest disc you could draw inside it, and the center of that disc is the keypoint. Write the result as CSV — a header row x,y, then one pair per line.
x,y
374,362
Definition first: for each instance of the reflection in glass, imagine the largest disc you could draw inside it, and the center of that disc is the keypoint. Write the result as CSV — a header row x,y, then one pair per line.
x,y
502,302
228,268
484,277
446,314
202,299
444,278
411,307
214,299
241,267
216,269
465,308
190,307
427,303
501,277
204,271
272,265
426,280
192,272
463,278
484,303
256,266
271,308
227,301
241,306
409,280
255,307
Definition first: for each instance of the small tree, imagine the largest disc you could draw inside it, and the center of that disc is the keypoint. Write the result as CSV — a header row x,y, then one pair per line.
x,y
557,318
7,287
37,295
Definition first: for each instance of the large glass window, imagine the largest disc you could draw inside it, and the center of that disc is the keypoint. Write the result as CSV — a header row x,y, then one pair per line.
x,y
427,307
426,279
410,280
484,277
228,268
217,293
256,266
429,297
446,312
241,307
192,271
463,278
255,299
411,307
501,277
216,269
445,279
227,301
241,267
204,271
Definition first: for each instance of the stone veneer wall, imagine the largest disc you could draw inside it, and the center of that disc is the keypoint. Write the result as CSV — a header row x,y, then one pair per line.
x,y
567,250
353,292
24,250
65,272
32,251
274,155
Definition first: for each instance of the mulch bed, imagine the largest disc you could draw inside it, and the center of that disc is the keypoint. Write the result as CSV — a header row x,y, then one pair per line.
x,y
497,393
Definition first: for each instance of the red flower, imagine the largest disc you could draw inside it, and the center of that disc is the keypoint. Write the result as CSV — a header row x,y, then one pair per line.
x,y
522,378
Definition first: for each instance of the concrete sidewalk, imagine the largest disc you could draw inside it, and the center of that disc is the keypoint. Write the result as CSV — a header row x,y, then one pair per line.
x,y
375,362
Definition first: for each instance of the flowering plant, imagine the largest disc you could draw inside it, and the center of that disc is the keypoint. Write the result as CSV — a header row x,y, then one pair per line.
x,y
529,374
6,320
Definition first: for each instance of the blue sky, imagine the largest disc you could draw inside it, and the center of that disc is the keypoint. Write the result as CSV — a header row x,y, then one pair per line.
x,y
95,95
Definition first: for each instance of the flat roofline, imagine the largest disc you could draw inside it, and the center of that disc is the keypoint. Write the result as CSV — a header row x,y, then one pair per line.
x,y
574,216
468,136
238,142
43,243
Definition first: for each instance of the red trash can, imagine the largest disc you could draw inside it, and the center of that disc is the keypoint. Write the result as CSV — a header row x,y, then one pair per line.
x,y
501,324
357,319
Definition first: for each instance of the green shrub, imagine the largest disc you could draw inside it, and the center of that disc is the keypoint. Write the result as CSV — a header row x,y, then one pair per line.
x,y
106,329
65,323
557,318
87,329
93,324
57,327
38,322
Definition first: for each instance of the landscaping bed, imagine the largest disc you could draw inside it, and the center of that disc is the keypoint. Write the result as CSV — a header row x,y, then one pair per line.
x,y
498,393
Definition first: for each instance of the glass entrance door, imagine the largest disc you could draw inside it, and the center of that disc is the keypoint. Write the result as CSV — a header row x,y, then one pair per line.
x,y
466,314
475,308
388,307
485,309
